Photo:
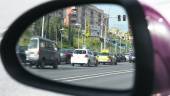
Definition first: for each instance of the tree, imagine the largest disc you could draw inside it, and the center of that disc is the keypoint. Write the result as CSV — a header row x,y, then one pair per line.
x,y
88,31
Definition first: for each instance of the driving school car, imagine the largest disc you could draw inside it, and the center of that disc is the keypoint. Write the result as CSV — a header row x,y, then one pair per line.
x,y
105,57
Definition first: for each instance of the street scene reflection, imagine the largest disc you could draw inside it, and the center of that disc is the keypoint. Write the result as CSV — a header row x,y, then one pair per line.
x,y
87,45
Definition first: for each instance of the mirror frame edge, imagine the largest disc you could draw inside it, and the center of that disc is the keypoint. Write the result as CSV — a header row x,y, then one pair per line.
x,y
19,74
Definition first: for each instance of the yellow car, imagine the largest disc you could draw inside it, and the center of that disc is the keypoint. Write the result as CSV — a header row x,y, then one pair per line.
x,y
106,58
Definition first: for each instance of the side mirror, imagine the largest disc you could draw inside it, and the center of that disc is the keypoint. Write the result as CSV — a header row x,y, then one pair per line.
x,y
140,84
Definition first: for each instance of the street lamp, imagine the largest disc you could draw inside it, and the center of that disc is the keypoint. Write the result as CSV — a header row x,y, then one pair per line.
x,y
77,24
42,29
61,43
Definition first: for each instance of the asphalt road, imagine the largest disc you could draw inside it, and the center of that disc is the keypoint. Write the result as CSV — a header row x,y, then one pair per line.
x,y
119,76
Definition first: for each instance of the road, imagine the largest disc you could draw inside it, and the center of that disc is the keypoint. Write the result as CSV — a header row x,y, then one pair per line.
x,y
104,76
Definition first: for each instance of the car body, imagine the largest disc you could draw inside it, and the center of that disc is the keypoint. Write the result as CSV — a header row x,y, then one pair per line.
x,y
20,50
65,55
123,58
83,57
132,57
106,58
42,52
126,56
120,58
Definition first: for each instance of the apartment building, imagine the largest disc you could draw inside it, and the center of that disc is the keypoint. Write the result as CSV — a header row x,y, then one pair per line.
x,y
87,14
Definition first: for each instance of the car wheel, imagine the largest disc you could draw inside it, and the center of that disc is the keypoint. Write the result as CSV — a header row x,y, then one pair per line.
x,y
81,65
115,63
55,64
42,63
88,63
72,64
96,64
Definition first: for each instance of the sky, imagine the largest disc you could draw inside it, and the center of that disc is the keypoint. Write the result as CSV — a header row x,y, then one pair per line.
x,y
113,11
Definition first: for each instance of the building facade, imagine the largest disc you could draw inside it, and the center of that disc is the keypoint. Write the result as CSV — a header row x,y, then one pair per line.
x,y
87,15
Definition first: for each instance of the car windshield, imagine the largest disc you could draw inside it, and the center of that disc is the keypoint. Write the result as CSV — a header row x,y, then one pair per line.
x,y
80,52
33,44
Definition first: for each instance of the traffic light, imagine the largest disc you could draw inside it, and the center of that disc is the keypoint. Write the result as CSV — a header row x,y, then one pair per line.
x,y
124,17
119,17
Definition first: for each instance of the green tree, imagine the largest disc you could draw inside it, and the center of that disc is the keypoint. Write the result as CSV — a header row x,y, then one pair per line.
x,y
88,31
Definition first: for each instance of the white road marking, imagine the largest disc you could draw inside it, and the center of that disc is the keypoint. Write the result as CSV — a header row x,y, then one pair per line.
x,y
75,78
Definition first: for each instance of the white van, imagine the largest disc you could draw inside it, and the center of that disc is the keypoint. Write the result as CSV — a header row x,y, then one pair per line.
x,y
42,52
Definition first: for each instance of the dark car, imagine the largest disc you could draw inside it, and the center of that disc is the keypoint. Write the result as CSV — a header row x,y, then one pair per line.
x,y
120,58
65,55
20,50
123,58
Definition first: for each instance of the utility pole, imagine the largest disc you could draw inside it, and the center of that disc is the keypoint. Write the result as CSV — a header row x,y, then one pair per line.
x,y
116,47
120,45
69,30
105,37
85,31
61,42
79,28
101,35
42,30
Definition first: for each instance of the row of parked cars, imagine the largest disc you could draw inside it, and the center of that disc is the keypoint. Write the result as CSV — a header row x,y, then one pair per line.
x,y
41,52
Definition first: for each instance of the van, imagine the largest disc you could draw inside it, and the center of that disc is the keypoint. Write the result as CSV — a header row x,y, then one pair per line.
x,y
42,52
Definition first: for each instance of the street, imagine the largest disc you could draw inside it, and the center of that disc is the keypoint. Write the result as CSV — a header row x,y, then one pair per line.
x,y
104,76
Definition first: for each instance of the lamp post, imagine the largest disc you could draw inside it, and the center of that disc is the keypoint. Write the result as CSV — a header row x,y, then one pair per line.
x,y
61,42
83,38
77,24
42,29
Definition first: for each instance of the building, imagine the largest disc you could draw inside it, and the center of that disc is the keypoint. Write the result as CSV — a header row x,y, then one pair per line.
x,y
87,14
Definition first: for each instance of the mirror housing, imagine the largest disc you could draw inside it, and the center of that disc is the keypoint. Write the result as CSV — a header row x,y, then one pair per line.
x,y
144,58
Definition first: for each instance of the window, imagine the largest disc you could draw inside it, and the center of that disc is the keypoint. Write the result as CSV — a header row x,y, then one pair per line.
x,y
80,52
33,44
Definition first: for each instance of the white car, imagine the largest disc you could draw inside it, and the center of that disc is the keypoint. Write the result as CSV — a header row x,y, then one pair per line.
x,y
127,56
83,57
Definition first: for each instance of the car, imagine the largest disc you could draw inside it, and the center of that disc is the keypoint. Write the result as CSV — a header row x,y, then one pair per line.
x,y
123,58
42,52
120,57
106,57
65,55
131,58
126,56
83,57
20,50
114,58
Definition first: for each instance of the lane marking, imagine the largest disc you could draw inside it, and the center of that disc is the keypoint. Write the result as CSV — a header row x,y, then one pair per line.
x,y
96,76
80,77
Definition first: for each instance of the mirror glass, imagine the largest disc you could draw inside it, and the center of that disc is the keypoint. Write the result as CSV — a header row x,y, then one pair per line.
x,y
87,45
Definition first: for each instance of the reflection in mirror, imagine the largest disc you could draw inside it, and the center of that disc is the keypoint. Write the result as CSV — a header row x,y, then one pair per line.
x,y
87,45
